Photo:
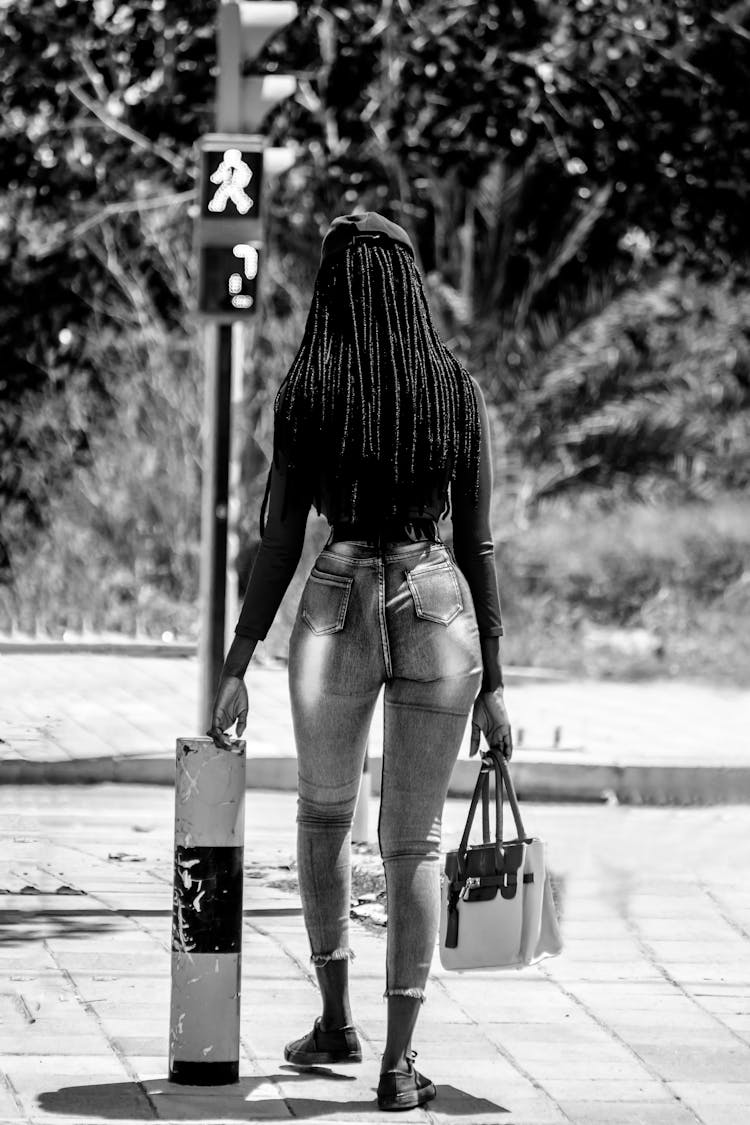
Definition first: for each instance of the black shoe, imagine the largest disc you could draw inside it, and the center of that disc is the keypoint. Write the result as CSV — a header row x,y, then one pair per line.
x,y
318,1046
397,1090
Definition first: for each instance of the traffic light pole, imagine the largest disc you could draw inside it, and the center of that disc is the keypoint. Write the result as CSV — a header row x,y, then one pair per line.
x,y
229,249
215,511
243,336
204,1015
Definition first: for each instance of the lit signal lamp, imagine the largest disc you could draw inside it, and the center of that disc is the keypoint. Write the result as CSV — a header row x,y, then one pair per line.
x,y
232,176
250,259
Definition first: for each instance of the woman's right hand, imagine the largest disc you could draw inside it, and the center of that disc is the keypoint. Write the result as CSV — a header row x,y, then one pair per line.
x,y
230,705
490,718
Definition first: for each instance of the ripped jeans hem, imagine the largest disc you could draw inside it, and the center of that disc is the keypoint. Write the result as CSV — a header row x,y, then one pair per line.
x,y
321,959
414,993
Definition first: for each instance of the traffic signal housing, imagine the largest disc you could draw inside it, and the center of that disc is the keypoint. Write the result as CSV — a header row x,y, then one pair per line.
x,y
228,230
228,234
243,99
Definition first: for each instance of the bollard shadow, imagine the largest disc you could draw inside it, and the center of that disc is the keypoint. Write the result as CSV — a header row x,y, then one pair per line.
x,y
143,1101
20,927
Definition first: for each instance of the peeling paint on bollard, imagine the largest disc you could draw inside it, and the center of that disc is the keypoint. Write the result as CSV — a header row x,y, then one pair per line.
x,y
207,913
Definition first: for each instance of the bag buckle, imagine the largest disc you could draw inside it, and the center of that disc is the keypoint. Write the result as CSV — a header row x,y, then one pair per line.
x,y
471,881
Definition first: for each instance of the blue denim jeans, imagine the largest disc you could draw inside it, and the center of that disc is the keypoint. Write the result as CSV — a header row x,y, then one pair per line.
x,y
400,617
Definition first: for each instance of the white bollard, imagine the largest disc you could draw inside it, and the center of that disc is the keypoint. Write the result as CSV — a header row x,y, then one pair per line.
x,y
209,836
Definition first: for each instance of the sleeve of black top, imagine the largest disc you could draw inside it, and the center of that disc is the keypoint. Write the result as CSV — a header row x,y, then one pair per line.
x,y
473,546
277,557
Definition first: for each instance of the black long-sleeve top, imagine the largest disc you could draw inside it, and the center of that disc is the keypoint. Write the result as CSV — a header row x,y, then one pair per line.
x,y
283,539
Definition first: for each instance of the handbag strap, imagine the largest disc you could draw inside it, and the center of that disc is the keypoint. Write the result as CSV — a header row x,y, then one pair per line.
x,y
493,761
486,839
486,809
501,763
482,779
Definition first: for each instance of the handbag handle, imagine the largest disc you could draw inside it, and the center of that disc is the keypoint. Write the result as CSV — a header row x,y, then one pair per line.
x,y
482,779
501,761
492,760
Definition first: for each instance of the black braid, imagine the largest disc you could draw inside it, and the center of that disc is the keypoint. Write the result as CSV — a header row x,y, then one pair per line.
x,y
374,402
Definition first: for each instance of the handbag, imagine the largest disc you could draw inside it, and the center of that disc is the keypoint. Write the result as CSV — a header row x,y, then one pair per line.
x,y
497,910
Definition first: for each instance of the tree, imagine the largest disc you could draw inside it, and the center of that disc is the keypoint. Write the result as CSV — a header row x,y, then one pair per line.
x,y
542,154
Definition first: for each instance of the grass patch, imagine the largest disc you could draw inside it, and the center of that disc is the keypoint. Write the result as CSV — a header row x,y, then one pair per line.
x,y
632,591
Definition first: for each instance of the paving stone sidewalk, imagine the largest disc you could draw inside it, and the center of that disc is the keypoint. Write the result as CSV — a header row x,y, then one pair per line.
x,y
92,717
644,1020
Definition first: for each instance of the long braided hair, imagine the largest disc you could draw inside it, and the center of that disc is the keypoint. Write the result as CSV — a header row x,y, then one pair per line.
x,y
374,402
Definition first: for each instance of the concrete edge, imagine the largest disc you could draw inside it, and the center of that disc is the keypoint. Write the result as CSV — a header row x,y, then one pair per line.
x,y
535,781
97,648
513,673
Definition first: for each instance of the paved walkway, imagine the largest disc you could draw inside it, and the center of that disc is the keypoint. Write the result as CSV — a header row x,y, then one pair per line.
x,y
89,717
644,1019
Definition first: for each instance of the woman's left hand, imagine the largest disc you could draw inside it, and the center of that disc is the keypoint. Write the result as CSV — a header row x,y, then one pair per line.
x,y
230,704
490,718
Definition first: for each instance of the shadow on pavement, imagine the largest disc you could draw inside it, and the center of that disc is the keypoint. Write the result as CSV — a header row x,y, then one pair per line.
x,y
137,1100
19,927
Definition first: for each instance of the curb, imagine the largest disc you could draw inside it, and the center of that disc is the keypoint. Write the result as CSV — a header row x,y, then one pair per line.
x,y
551,781
513,673
97,648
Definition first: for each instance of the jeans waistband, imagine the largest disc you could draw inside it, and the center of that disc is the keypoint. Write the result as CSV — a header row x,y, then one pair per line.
x,y
391,531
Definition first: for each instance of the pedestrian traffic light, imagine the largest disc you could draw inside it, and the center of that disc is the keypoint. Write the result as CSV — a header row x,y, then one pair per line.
x,y
232,161
243,98
228,230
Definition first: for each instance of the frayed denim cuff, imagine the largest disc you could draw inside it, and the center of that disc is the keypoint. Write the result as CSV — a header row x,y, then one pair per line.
x,y
414,993
321,959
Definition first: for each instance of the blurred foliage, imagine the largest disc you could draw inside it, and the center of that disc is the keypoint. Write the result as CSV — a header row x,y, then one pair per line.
x,y
650,397
100,104
519,142
639,589
119,546
574,175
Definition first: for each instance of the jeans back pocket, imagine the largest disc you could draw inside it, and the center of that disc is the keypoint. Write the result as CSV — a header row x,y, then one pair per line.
x,y
325,600
435,592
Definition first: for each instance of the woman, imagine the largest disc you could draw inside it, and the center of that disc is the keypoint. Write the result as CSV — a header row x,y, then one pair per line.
x,y
376,424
